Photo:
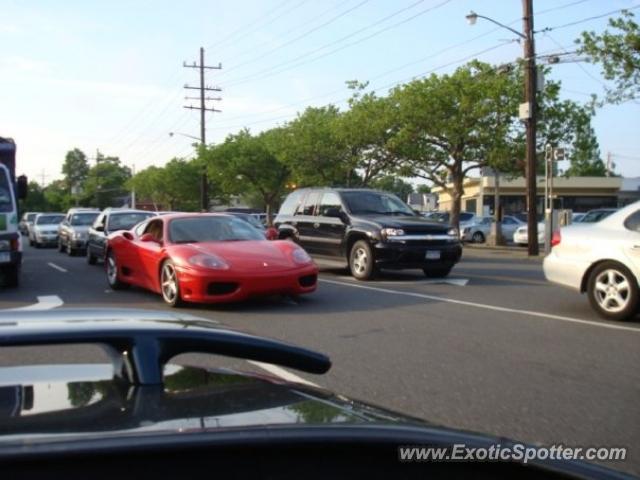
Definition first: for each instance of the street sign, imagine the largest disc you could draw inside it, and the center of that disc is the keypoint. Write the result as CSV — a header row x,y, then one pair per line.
x,y
558,154
525,111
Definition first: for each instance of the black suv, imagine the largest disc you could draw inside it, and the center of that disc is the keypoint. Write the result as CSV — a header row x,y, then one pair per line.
x,y
367,230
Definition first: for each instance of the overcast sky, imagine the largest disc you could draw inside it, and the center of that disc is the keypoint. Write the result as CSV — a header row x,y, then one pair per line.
x,y
109,75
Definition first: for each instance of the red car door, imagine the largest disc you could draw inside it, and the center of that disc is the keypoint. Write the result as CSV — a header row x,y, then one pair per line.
x,y
150,252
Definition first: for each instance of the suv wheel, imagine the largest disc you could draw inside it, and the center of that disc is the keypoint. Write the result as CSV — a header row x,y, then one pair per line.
x,y
361,261
91,259
70,251
613,291
111,268
60,245
438,272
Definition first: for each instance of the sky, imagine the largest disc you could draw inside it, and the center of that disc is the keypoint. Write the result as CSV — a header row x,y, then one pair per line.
x,y
109,76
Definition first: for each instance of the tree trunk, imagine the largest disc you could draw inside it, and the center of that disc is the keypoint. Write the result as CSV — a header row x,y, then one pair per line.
x,y
268,209
456,197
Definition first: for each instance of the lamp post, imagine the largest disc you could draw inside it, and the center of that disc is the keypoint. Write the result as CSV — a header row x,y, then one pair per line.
x,y
528,113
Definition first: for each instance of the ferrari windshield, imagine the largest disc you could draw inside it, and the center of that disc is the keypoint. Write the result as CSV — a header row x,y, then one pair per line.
x,y
364,203
211,229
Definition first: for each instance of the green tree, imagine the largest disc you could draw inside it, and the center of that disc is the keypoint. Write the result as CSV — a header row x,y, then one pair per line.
x,y
106,182
57,197
312,148
618,53
584,156
246,164
75,169
395,185
424,188
35,201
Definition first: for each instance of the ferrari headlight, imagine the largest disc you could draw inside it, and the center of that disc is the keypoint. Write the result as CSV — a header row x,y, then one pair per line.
x,y
208,260
300,256
392,232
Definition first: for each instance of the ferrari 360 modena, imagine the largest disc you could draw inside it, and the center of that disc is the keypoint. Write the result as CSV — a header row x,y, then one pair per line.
x,y
206,258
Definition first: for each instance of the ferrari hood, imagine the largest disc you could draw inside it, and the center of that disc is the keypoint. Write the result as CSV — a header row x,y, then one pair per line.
x,y
250,255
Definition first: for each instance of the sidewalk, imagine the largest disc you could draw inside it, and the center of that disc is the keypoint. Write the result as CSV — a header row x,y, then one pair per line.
x,y
481,249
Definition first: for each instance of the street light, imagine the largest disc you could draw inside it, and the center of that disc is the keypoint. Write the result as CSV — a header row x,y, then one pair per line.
x,y
528,113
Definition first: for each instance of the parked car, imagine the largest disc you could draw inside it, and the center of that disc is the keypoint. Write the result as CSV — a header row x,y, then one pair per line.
x,y
480,229
206,258
26,220
593,216
73,232
521,235
367,230
44,231
108,221
163,419
577,217
601,259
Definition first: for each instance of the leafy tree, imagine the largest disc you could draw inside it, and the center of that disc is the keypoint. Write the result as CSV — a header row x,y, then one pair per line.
x,y
312,148
618,53
35,201
395,185
584,157
451,124
246,164
75,168
106,183
57,197
424,188
149,185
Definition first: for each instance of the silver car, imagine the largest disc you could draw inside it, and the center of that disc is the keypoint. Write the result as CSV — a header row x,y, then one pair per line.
x,y
73,232
480,230
44,231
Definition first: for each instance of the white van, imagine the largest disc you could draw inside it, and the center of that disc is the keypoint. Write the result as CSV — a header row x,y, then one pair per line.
x,y
10,241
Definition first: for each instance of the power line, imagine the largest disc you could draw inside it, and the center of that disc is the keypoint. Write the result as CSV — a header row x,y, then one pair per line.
x,y
261,56
561,7
588,19
257,75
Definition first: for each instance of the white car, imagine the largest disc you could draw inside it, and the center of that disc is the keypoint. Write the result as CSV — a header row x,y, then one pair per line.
x,y
601,259
480,230
45,229
521,235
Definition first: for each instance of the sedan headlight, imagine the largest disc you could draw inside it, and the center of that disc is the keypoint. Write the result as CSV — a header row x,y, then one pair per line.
x,y
300,256
391,232
208,260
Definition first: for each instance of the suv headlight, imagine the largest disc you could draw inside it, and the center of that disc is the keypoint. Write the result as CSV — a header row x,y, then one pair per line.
x,y
208,260
391,232
453,232
5,245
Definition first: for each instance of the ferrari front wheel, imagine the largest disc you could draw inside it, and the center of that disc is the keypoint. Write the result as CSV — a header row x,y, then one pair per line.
x,y
169,285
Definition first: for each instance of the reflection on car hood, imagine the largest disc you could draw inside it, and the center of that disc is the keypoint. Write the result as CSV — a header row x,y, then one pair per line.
x,y
407,223
46,228
80,228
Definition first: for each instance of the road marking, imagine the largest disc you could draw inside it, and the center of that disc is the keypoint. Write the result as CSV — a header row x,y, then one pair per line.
x,y
509,279
282,373
46,302
487,307
57,267
460,282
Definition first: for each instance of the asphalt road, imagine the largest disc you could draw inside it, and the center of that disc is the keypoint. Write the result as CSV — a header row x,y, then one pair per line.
x,y
498,350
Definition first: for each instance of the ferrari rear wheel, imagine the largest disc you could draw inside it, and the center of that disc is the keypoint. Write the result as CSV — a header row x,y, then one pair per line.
x,y
169,285
111,267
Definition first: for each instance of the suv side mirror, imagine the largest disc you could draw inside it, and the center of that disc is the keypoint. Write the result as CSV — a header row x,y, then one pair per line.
x,y
99,228
22,187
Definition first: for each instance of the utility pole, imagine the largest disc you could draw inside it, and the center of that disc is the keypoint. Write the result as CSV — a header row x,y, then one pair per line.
x,y
609,165
133,190
204,183
530,124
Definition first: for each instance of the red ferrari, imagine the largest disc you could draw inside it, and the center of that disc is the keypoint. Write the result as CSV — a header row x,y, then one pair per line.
x,y
206,258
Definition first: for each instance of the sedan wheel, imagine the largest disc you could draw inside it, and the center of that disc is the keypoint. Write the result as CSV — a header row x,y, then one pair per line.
x,y
169,285
478,237
613,292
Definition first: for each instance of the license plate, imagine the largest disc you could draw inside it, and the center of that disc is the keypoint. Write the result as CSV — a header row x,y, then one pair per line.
x,y
5,257
432,255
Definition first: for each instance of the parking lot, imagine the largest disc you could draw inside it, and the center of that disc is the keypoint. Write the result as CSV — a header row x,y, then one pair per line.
x,y
492,348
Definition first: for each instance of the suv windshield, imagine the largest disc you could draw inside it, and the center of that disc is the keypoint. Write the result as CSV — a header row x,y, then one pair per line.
x,y
49,219
83,219
211,229
372,203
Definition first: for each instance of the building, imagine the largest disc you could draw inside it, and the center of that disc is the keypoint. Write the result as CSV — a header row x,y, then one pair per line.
x,y
578,194
423,202
629,191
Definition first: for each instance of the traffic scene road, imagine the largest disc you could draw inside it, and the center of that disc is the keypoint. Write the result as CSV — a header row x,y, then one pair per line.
x,y
492,348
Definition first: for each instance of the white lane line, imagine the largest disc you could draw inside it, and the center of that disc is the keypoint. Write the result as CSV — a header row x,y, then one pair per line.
x,y
46,302
488,307
57,267
282,373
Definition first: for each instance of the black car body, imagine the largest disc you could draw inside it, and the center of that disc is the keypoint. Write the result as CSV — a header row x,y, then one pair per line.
x,y
341,224
141,416
111,220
